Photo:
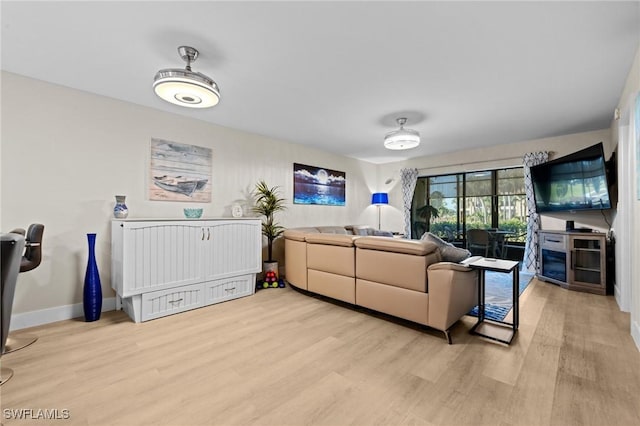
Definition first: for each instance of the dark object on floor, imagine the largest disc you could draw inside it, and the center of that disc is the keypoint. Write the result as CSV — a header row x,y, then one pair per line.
x,y
262,284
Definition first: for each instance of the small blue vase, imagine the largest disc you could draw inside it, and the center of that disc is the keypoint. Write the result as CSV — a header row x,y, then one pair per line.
x,y
120,210
92,294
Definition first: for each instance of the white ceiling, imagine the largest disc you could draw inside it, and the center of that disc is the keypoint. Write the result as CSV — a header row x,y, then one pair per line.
x,y
335,75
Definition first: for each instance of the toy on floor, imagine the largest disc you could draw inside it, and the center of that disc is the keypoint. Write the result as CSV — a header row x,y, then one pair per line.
x,y
270,280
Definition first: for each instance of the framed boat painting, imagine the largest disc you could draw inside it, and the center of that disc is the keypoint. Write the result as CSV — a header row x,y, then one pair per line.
x,y
179,172
317,185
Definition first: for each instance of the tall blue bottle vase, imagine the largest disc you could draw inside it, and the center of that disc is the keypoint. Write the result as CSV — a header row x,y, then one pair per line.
x,y
92,292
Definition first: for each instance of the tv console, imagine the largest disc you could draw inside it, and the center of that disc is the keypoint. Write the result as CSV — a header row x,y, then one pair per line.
x,y
575,259
581,230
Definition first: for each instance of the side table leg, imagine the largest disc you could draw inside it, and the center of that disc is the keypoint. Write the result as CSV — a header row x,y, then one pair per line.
x,y
447,334
516,299
481,296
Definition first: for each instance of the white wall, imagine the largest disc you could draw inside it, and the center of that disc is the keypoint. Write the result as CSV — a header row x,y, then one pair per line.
x,y
628,243
66,153
492,158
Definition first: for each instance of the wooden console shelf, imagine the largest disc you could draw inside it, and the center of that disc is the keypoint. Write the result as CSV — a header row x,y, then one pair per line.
x,y
574,260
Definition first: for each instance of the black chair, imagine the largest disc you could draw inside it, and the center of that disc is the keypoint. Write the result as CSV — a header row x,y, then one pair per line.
x,y
419,228
30,260
11,248
478,241
515,244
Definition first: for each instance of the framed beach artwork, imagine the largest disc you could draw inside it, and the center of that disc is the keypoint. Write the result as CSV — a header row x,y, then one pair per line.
x,y
179,172
317,185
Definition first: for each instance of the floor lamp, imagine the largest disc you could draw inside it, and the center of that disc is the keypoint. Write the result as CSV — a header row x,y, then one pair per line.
x,y
378,199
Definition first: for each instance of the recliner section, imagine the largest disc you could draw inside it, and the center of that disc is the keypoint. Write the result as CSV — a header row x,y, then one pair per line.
x,y
331,266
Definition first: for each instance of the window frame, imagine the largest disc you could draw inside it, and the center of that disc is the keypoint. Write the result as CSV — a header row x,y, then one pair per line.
x,y
460,181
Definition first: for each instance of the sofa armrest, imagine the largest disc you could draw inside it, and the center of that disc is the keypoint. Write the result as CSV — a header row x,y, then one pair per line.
x,y
449,266
453,292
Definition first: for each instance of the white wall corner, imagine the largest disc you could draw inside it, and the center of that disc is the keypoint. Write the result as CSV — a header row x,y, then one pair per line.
x,y
635,333
623,303
58,313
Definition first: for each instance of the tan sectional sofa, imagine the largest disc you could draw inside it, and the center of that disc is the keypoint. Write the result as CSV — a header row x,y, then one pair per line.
x,y
399,277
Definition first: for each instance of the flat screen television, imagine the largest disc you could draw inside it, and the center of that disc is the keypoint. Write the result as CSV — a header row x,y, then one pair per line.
x,y
576,181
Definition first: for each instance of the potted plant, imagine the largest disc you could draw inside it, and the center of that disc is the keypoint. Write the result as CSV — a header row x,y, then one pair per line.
x,y
267,203
425,213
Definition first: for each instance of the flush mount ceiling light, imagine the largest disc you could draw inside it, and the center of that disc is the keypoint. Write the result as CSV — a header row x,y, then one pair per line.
x,y
184,87
402,138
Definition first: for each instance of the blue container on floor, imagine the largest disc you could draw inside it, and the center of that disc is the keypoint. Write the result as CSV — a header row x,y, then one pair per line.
x,y
92,292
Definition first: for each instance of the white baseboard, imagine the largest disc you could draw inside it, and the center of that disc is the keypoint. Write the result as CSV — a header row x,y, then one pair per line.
x,y
622,303
59,313
635,333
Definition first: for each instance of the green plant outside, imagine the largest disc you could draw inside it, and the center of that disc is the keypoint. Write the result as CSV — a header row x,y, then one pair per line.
x,y
516,226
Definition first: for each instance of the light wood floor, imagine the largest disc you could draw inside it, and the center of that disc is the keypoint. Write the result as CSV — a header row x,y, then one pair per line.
x,y
282,357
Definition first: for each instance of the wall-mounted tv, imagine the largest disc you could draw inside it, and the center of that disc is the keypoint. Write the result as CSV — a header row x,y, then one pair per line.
x,y
577,181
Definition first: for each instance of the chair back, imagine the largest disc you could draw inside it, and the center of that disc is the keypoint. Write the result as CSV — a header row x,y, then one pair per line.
x,y
449,236
33,253
11,247
478,240
477,237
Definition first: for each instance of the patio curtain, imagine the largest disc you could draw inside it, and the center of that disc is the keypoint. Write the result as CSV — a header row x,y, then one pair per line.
x,y
530,260
409,178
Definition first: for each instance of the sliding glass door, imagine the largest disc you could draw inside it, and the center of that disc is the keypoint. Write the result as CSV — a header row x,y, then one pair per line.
x,y
449,205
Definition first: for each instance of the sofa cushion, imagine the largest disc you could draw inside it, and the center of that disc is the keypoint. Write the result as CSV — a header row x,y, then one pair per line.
x,y
336,286
394,269
367,231
378,233
400,302
396,245
363,230
332,230
331,239
448,251
298,234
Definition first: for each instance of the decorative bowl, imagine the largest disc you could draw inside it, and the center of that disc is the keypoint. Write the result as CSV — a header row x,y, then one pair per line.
x,y
192,213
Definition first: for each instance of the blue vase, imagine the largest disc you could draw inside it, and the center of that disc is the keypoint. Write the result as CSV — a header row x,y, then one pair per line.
x,y
92,294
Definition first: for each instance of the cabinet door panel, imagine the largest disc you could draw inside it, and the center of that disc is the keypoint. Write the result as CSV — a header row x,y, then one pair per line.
x,y
233,248
588,269
161,255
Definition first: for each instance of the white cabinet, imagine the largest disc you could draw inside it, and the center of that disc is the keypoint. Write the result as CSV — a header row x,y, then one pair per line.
x,y
162,267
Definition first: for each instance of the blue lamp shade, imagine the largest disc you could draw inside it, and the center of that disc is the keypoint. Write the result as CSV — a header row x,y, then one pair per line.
x,y
380,198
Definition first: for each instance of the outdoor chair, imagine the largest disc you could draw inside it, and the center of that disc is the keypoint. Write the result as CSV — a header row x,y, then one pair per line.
x,y
478,242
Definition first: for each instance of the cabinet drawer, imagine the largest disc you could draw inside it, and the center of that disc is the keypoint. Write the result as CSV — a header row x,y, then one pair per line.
x,y
555,242
157,304
228,288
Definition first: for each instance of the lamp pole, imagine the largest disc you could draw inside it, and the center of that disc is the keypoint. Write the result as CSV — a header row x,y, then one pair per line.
x,y
378,199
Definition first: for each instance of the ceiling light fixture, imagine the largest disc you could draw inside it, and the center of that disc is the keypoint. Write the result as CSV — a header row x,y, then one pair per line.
x,y
402,138
184,87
